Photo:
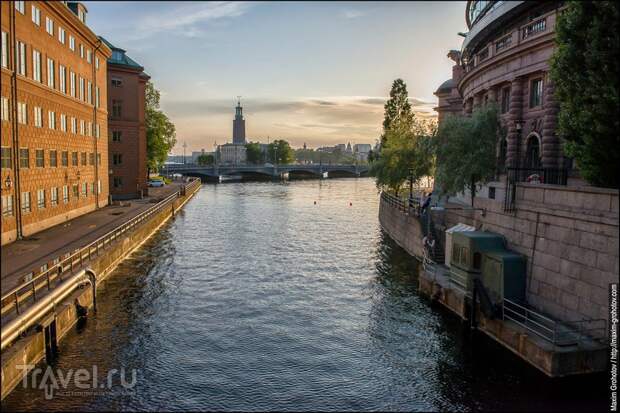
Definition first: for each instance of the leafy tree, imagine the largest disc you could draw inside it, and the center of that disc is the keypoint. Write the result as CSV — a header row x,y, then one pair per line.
x,y
160,132
585,68
397,108
206,159
407,153
465,150
280,151
253,153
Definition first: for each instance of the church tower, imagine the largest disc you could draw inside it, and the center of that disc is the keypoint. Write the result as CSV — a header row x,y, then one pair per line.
x,y
239,125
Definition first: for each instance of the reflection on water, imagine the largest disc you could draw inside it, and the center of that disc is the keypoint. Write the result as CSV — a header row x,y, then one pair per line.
x,y
256,298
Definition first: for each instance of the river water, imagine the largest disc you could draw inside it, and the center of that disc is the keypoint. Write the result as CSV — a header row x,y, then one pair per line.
x,y
285,296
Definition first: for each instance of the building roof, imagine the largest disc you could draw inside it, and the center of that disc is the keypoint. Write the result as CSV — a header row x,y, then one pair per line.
x,y
119,57
446,86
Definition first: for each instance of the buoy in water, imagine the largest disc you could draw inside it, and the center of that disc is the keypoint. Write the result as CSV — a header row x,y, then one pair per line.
x,y
314,202
350,203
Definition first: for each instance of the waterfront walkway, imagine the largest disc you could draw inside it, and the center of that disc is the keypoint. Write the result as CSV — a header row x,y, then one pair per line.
x,y
29,254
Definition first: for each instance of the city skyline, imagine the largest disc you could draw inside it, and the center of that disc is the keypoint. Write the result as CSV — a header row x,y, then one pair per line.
x,y
298,83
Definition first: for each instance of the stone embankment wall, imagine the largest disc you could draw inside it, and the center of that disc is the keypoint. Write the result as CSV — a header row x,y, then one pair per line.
x,y
405,230
30,349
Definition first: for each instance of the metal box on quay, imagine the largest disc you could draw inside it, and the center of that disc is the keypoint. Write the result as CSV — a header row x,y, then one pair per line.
x,y
503,275
466,255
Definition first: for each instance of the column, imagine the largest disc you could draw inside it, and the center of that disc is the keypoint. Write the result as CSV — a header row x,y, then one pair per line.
x,y
550,151
492,95
515,114
477,100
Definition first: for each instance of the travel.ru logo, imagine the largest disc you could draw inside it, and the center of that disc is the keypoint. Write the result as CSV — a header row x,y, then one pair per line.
x,y
87,382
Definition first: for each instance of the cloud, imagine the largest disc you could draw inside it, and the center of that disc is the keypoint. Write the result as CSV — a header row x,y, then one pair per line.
x,y
186,19
352,13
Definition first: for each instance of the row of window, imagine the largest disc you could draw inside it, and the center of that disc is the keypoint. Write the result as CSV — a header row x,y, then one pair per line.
x,y
62,34
39,158
536,96
78,87
85,127
45,200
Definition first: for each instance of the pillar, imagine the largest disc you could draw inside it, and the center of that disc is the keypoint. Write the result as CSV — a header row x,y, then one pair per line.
x,y
477,100
515,113
550,151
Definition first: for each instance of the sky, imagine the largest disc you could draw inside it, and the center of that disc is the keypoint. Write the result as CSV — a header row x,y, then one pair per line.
x,y
309,72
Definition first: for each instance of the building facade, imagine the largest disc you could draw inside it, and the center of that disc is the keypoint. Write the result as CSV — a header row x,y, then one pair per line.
x,y
505,59
53,116
231,154
239,126
127,130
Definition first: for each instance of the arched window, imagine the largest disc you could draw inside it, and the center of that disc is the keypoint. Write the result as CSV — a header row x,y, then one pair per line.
x,y
532,153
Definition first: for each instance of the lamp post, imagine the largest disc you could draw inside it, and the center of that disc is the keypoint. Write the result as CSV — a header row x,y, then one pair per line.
x,y
7,182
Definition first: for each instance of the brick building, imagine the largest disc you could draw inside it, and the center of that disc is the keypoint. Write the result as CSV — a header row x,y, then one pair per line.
x,y
127,131
54,128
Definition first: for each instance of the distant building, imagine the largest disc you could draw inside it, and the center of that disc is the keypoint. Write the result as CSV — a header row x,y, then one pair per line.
x,y
348,149
175,159
126,125
361,151
239,126
231,154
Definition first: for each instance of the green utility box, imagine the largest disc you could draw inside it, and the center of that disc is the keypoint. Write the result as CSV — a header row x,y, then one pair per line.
x,y
483,255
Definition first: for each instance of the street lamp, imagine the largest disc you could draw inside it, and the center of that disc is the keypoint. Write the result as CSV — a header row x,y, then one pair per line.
x,y
8,182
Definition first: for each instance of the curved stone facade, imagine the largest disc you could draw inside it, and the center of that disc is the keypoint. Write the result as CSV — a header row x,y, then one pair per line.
x,y
505,59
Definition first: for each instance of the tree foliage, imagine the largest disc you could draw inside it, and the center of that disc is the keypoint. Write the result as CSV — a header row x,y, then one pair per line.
x,y
160,132
585,68
397,108
254,154
465,149
205,159
406,154
279,151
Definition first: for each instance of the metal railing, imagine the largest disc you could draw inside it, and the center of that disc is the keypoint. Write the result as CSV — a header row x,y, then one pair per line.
x,y
53,276
551,176
557,333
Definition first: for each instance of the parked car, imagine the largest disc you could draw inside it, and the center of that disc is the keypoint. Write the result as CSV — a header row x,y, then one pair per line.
x,y
156,183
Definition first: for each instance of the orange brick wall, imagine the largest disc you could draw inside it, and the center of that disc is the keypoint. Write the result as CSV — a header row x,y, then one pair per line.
x,y
35,93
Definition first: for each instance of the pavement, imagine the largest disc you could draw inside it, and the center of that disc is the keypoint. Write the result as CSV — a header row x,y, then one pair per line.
x,y
29,254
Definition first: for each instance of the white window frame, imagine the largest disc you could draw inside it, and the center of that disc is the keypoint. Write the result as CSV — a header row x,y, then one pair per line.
x,y
22,113
89,56
72,43
36,65
97,62
38,117
21,58
81,88
51,115
65,194
62,79
36,15
49,26
82,127
4,109
73,125
81,50
72,84
40,198
50,73
61,35
25,198
7,205
54,196
20,6
63,122
5,49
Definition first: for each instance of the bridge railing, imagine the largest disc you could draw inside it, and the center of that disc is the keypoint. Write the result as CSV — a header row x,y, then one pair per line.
x,y
53,276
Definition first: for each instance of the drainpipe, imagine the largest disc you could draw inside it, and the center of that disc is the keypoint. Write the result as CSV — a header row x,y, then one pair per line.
x,y
95,107
15,135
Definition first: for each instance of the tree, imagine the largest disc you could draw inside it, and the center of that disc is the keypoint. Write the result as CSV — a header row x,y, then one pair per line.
x,y
160,132
585,68
253,153
407,154
465,150
206,159
279,151
397,108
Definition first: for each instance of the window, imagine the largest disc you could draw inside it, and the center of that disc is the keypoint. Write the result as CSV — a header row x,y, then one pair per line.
x,y
89,56
117,159
503,43
532,154
97,96
22,113
97,131
4,108
53,159
36,15
84,158
73,125
72,43
38,117
61,35
76,191
81,127
118,182
116,82
5,49
6,157
81,88
7,205
116,136
98,159
89,93
81,50
50,73
49,26
65,194
536,91
505,103
89,128
63,122
20,6
74,158
117,108
533,28
25,202
96,63
39,158
82,15
62,78
72,84
21,58
91,158
36,65
84,188
51,119
41,198
53,196
64,158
